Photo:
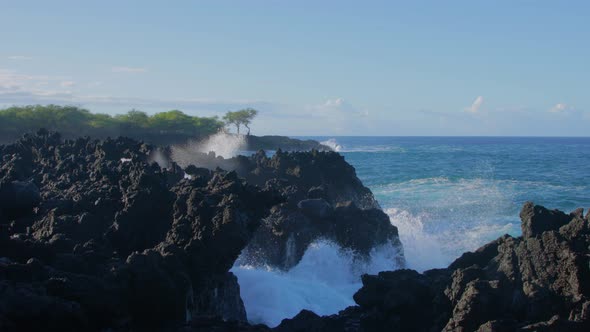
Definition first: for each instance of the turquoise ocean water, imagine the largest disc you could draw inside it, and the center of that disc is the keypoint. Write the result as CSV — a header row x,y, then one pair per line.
x,y
446,195
452,194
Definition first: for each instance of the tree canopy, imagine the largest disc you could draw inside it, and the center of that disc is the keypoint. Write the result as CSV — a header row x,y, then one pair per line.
x,y
72,121
240,118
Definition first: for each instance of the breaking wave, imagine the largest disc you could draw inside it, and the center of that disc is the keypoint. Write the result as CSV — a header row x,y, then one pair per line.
x,y
324,282
427,247
332,144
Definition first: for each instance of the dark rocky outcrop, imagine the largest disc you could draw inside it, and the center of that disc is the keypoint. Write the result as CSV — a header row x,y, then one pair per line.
x,y
91,241
324,200
537,282
98,235
94,237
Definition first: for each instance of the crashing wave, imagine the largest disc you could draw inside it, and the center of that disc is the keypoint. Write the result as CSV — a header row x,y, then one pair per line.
x,y
332,144
324,282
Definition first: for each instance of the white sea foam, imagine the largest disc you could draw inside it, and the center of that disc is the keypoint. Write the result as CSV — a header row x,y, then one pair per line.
x,y
335,146
437,246
323,281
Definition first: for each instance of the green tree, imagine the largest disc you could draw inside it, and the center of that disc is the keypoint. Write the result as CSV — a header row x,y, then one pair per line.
x,y
134,118
72,121
242,117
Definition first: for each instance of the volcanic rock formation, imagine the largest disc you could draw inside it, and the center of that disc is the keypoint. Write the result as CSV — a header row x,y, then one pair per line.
x,y
94,236
98,235
537,282
324,200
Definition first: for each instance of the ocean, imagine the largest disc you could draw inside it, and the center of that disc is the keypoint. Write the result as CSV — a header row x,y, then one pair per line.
x,y
446,195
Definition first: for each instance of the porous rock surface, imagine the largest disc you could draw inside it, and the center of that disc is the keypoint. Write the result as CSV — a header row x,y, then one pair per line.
x,y
93,236
324,199
109,235
537,282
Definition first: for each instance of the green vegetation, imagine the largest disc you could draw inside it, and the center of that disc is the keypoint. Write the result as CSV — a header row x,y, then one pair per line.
x,y
71,121
242,117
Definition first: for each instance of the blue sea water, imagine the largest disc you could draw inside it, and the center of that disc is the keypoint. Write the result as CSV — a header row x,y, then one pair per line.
x,y
446,195
458,193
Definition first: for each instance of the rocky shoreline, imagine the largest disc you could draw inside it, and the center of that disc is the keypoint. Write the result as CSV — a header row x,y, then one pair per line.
x,y
114,236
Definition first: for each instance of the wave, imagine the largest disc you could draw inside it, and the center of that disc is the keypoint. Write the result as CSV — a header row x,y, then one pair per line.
x,y
335,146
332,144
429,246
324,282
441,217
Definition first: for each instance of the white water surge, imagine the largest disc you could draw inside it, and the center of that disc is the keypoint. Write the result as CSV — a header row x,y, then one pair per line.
x,y
223,144
436,248
324,282
332,144
327,277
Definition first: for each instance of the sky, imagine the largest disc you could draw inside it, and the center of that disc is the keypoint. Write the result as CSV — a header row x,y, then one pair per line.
x,y
329,68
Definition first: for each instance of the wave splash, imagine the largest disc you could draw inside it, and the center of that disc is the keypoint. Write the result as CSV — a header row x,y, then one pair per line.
x,y
324,282
427,247
332,144
223,144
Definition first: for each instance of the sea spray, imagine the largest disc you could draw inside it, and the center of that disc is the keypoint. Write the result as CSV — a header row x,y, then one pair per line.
x,y
223,144
332,144
157,156
436,247
324,282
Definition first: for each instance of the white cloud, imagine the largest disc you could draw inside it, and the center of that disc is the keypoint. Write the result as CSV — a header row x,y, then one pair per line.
x,y
474,108
132,70
11,80
336,107
67,84
17,88
338,102
560,108
19,57
18,95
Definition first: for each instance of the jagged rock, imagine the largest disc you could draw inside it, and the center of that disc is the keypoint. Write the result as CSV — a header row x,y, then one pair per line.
x,y
537,282
106,239
324,200
536,219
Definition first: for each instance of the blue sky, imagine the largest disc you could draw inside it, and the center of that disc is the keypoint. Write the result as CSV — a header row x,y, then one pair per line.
x,y
311,67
